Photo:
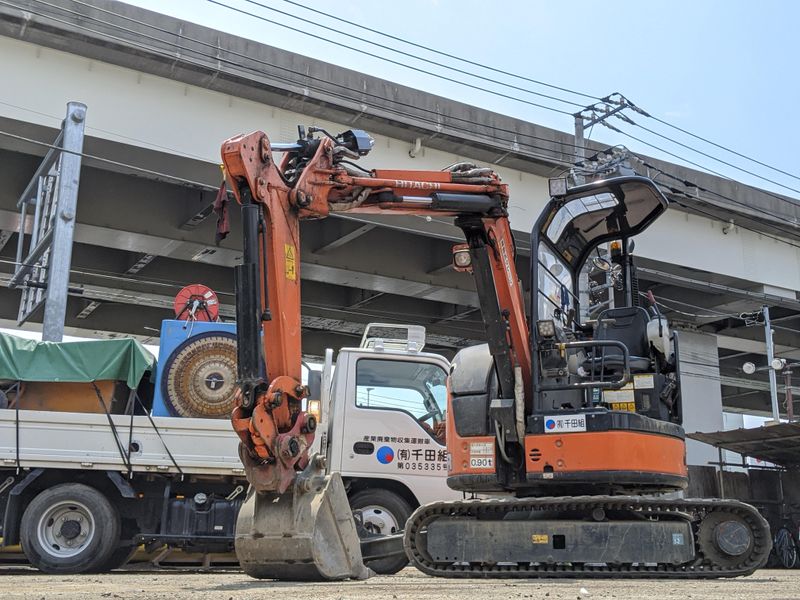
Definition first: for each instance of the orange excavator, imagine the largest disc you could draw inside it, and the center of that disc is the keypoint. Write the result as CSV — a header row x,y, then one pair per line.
x,y
572,411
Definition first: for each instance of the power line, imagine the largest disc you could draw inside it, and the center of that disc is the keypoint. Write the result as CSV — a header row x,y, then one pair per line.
x,y
401,64
510,74
699,166
306,33
390,49
439,52
707,141
116,163
219,59
724,162
716,218
692,185
435,119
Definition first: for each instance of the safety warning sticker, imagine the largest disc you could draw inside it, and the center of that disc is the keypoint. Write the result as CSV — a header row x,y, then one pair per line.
x,y
291,261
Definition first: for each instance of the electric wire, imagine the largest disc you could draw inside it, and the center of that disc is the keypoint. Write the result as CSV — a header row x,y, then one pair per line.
x,y
690,184
501,83
515,141
699,166
104,22
439,52
694,208
203,185
159,174
721,147
473,63
719,160
401,64
520,77
435,119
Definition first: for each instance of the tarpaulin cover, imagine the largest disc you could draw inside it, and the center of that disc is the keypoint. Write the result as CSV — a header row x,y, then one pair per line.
x,y
28,360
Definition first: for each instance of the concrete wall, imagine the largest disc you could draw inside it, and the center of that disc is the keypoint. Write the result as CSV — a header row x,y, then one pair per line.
x,y
189,121
701,393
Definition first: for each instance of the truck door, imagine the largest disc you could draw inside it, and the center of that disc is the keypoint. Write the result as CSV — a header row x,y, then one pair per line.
x,y
394,422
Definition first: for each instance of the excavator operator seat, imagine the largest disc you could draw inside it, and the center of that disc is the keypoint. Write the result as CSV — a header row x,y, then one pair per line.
x,y
629,326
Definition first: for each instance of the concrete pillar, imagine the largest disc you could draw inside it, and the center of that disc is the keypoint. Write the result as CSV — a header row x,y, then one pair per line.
x,y
701,393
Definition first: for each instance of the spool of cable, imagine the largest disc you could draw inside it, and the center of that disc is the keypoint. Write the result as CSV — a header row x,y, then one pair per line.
x,y
199,377
196,302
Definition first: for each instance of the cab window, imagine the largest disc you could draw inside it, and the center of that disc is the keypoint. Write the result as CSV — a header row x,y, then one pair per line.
x,y
415,388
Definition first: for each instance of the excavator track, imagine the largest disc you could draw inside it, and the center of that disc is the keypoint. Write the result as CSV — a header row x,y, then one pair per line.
x,y
706,518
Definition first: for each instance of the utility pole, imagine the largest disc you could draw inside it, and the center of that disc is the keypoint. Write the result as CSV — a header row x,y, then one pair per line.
x,y
773,382
589,116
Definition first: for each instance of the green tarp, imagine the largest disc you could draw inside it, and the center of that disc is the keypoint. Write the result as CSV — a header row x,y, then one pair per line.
x,y
96,360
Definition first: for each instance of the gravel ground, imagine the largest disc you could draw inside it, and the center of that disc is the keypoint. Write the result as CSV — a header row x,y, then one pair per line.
x,y
146,584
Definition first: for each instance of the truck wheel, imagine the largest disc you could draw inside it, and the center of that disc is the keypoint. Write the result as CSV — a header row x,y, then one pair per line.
x,y
119,557
70,528
382,512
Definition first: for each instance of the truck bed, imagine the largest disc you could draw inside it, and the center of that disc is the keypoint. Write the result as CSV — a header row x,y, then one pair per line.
x,y
67,440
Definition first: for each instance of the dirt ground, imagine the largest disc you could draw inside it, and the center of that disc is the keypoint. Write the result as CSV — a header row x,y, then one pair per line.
x,y
147,584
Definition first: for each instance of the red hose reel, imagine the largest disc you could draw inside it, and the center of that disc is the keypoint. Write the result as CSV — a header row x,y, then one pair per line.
x,y
196,302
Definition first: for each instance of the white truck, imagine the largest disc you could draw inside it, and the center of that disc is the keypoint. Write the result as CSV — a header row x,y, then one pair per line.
x,y
81,494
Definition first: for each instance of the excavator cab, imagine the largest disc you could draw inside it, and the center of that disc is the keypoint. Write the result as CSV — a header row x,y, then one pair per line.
x,y
603,361
623,354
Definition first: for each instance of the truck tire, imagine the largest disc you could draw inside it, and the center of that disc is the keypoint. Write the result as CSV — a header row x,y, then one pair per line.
x,y
70,528
384,512
119,557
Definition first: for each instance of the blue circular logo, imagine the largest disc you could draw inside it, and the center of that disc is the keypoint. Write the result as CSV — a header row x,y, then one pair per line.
x,y
385,455
550,424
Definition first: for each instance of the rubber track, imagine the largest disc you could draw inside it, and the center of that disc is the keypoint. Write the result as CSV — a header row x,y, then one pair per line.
x,y
694,510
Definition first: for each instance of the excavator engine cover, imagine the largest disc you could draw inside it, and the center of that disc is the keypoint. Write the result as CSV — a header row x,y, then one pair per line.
x,y
305,534
200,376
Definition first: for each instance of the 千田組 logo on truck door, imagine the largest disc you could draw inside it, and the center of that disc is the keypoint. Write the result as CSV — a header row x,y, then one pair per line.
x,y
385,455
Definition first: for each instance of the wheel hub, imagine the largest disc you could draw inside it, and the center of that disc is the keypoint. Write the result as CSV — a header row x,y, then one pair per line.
x,y
732,537
378,520
65,529
70,529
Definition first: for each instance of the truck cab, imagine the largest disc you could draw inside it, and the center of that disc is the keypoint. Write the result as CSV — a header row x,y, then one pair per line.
x,y
382,427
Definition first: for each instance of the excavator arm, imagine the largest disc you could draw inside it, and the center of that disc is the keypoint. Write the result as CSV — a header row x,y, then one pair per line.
x,y
316,177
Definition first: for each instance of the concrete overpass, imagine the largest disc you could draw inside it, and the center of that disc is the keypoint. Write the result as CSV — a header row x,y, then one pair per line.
x,y
162,94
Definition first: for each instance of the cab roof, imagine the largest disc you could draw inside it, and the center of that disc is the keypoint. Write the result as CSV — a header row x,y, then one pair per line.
x,y
601,211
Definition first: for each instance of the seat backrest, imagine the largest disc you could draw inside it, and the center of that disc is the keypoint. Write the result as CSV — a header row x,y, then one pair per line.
x,y
627,325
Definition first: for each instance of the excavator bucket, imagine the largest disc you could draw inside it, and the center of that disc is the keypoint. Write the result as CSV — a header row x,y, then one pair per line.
x,y
305,534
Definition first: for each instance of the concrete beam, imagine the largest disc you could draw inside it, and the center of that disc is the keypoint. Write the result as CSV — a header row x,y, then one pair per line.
x,y
345,239
719,289
200,56
108,237
97,294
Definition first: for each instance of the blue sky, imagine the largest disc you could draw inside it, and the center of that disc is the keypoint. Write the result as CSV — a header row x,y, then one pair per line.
x,y
725,70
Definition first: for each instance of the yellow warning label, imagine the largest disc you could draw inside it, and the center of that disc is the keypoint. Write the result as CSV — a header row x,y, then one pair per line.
x,y
540,538
291,261
629,406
